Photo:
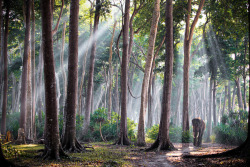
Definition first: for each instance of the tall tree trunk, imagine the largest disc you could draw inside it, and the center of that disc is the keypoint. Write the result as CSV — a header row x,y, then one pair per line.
x,y
214,103
187,45
53,149
62,66
225,100
163,140
145,84
70,143
233,98
33,60
5,78
239,94
209,122
80,110
117,97
28,122
26,57
123,136
229,96
111,72
89,98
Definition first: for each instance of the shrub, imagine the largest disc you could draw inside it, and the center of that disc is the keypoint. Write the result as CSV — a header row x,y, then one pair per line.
x,y
175,134
110,128
227,134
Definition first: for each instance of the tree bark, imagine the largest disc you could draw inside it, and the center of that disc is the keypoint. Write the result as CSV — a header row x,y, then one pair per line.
x,y
111,72
70,142
26,57
214,103
225,100
239,94
53,149
145,84
187,45
62,66
209,122
5,78
163,141
123,136
91,71
33,60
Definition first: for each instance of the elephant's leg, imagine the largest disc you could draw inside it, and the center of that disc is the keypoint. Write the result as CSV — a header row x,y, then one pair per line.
x,y
200,138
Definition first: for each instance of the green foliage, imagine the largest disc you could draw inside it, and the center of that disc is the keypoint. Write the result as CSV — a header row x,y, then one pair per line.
x,y
10,152
175,134
12,123
110,128
233,129
230,135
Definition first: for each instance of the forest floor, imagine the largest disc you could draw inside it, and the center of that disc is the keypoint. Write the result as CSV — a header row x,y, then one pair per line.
x,y
106,154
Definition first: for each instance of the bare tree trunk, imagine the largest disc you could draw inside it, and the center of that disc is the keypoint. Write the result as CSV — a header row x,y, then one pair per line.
x,y
33,60
26,57
91,71
5,57
187,45
239,94
123,136
117,105
53,149
62,66
225,100
229,96
209,122
70,142
111,72
28,130
214,103
150,55
163,141
233,98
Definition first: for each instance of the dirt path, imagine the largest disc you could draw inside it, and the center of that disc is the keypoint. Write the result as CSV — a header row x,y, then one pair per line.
x,y
175,158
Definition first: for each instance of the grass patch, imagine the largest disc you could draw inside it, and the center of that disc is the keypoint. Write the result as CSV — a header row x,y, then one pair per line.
x,y
103,155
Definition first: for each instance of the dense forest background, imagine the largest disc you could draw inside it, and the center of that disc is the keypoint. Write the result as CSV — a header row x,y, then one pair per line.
x,y
104,75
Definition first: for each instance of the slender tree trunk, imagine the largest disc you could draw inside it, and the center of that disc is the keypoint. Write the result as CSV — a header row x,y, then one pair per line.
x,y
209,122
62,65
5,78
229,97
28,130
117,105
214,103
70,143
53,149
123,136
150,55
91,71
33,60
163,141
225,100
233,98
187,45
111,72
239,94
26,57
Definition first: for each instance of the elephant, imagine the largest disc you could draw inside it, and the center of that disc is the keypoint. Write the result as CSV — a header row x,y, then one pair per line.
x,y
198,130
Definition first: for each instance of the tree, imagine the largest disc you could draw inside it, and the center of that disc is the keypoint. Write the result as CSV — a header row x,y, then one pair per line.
x,y
69,139
5,56
147,72
163,141
26,57
123,136
187,46
53,149
91,70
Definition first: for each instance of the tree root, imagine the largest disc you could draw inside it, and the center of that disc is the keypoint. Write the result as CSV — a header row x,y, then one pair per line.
x,y
158,145
123,140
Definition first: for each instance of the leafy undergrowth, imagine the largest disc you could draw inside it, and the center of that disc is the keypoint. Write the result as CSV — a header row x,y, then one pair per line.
x,y
107,154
